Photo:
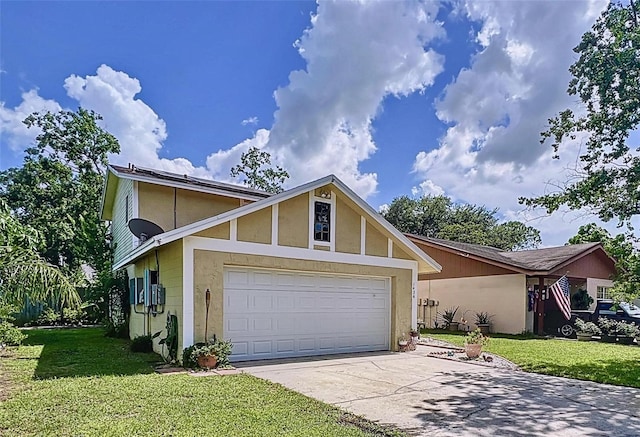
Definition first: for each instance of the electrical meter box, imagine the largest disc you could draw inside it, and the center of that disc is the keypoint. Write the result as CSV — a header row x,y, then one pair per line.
x,y
157,294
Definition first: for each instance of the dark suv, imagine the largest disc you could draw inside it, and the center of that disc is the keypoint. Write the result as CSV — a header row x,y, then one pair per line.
x,y
624,311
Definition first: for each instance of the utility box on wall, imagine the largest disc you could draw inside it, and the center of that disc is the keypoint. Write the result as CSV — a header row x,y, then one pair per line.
x,y
157,294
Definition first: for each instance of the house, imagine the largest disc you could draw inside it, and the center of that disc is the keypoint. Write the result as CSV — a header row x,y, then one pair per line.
x,y
506,284
310,271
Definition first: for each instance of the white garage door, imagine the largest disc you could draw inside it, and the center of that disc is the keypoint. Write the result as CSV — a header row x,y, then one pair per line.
x,y
277,314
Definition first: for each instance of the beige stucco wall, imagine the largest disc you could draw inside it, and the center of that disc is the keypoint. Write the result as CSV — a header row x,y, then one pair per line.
x,y
170,262
377,244
156,203
503,296
221,232
208,273
293,222
592,289
399,253
347,228
255,227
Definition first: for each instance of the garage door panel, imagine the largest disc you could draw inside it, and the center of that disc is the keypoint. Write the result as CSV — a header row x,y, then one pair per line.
x,y
285,302
272,314
241,348
261,278
237,277
262,302
284,346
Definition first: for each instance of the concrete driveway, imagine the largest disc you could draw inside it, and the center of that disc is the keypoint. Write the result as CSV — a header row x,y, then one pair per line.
x,y
436,397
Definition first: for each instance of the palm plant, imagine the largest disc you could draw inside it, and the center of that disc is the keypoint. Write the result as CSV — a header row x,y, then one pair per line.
x,y
23,272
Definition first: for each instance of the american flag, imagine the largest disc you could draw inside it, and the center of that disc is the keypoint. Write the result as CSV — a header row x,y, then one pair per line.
x,y
560,292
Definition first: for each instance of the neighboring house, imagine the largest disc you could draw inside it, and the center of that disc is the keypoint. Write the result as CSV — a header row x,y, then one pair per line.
x,y
505,284
310,271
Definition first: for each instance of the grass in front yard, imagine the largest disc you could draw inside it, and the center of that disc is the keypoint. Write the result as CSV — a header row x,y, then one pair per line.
x,y
77,382
591,361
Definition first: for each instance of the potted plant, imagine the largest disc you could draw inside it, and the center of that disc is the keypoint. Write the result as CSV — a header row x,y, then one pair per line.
x,y
473,343
483,321
449,316
403,343
214,353
626,332
581,300
414,335
586,330
608,328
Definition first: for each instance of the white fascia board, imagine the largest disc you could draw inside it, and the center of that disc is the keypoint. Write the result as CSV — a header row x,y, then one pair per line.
x,y
215,245
414,298
188,310
189,187
104,193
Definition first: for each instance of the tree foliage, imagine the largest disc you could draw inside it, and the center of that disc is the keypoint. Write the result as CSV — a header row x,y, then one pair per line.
x,y
621,248
256,171
53,200
439,217
606,78
23,272
58,189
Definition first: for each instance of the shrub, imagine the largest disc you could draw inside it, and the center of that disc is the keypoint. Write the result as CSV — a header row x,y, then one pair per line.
x,y
73,316
142,343
448,316
220,348
116,331
627,329
587,327
476,337
483,318
10,335
48,317
607,326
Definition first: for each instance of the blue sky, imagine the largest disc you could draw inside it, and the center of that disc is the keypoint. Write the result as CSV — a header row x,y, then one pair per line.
x,y
393,97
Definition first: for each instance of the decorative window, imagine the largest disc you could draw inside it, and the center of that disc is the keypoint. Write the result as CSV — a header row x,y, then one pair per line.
x,y
603,292
322,221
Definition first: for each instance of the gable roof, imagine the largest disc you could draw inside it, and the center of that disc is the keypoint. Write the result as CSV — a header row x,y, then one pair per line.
x,y
534,261
160,177
184,231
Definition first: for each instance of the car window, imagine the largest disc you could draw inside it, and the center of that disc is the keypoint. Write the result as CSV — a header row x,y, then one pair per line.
x,y
607,308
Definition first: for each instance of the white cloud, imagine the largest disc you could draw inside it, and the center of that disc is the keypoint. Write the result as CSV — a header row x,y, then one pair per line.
x,y
112,94
356,54
497,108
137,127
221,162
12,128
249,121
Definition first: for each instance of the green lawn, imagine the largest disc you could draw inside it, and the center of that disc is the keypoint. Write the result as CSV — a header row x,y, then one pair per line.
x,y
77,382
591,361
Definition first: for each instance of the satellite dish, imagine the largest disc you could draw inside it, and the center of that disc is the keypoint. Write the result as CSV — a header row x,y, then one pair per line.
x,y
144,229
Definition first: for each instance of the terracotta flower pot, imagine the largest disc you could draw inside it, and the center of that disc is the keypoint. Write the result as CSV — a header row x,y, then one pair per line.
x,y
473,350
453,326
207,361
